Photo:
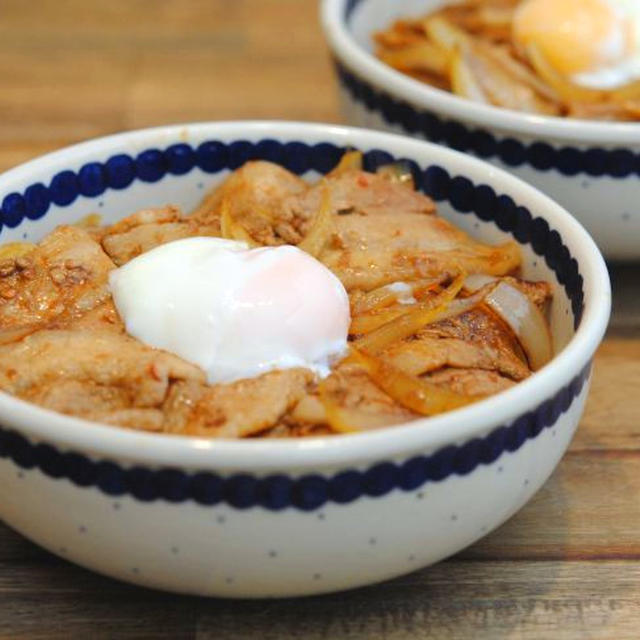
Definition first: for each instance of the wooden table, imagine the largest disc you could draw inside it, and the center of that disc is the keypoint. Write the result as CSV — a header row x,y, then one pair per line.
x,y
567,566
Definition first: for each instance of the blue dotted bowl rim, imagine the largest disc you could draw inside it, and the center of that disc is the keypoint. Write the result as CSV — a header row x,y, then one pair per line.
x,y
155,449
569,161
335,17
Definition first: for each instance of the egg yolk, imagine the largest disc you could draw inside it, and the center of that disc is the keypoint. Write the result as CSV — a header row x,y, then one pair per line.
x,y
574,36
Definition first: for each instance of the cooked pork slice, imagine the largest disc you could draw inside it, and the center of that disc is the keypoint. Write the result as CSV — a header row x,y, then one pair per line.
x,y
486,337
471,382
474,340
86,399
104,317
234,410
426,245
66,273
356,192
150,228
352,388
429,354
77,397
100,357
254,194
157,215
122,247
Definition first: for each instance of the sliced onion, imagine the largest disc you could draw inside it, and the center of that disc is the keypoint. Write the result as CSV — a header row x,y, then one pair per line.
x,y
525,320
421,56
388,294
349,419
463,80
316,239
350,160
412,321
231,229
412,392
444,33
366,323
310,410
476,281
379,298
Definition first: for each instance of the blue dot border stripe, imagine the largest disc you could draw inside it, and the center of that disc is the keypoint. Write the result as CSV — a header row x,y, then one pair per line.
x,y
569,161
277,492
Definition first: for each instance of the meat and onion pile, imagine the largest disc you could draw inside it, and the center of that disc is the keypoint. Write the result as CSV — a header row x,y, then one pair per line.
x,y
475,49
439,320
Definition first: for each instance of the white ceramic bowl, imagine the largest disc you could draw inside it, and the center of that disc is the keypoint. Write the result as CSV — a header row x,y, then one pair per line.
x,y
282,518
591,168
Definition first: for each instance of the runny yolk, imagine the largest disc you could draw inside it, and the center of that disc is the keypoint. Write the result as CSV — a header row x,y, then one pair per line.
x,y
574,36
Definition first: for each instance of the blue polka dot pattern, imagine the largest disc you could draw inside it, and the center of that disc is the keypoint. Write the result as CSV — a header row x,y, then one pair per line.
x,y
92,180
271,151
120,170
151,165
569,161
277,492
241,491
238,153
310,492
64,188
212,156
206,488
180,159
325,156
37,201
13,210
296,157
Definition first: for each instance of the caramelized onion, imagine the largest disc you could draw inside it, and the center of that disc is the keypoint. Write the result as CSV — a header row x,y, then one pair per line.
x,y
345,419
411,392
316,239
412,321
367,323
231,229
525,320
350,160
476,281
463,79
387,295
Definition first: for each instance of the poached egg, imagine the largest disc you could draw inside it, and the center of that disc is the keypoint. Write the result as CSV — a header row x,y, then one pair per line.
x,y
234,311
592,43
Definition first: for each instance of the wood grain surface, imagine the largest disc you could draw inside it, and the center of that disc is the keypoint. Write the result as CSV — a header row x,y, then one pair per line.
x,y
567,566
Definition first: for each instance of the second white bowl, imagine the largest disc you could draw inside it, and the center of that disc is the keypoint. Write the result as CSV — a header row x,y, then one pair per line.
x,y
591,168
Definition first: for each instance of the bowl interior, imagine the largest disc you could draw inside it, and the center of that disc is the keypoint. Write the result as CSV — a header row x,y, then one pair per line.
x,y
186,191
118,175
